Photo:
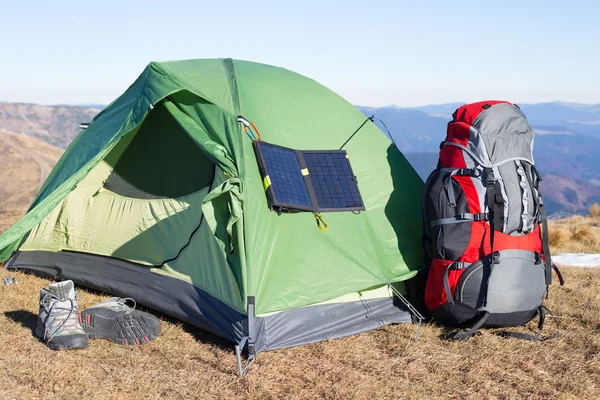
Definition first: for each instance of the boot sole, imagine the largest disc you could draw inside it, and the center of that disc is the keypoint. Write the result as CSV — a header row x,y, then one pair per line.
x,y
71,342
132,329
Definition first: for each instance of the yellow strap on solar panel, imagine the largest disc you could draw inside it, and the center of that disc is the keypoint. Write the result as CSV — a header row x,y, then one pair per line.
x,y
267,182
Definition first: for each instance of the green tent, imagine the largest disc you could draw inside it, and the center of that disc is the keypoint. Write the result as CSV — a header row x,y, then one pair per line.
x,y
161,199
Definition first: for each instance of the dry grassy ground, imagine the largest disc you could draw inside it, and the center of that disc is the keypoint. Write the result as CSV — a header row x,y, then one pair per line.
x,y
576,234
185,363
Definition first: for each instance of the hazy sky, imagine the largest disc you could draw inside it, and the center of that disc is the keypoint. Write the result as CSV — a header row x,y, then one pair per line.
x,y
371,52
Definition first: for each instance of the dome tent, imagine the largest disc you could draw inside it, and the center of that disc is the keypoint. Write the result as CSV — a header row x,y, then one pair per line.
x,y
161,199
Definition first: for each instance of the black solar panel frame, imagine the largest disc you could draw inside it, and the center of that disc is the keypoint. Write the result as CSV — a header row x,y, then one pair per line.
x,y
276,205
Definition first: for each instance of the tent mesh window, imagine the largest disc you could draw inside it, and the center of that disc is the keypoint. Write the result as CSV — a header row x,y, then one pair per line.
x,y
307,180
162,161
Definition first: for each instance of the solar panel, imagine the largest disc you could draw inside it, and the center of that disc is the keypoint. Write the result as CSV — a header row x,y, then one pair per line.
x,y
287,184
332,180
307,180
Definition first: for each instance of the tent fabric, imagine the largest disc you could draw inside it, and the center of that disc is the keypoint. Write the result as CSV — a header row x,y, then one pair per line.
x,y
146,228
240,248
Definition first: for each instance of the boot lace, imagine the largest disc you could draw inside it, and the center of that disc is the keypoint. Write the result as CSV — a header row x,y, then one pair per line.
x,y
57,313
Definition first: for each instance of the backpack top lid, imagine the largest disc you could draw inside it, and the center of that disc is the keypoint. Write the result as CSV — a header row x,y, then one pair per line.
x,y
493,131
468,112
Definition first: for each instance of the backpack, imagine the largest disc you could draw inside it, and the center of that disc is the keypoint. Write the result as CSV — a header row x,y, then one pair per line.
x,y
485,228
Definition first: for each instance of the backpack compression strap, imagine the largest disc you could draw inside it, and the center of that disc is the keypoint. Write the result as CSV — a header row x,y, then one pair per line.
x,y
561,280
544,221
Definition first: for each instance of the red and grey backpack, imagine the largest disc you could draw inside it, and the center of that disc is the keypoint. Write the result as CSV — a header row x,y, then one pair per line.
x,y
485,231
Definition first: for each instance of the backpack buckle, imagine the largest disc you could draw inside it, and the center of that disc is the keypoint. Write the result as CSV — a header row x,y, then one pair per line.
x,y
496,257
480,217
458,265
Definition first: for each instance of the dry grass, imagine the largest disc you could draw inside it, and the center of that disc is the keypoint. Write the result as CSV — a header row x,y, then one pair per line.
x,y
595,211
184,363
576,234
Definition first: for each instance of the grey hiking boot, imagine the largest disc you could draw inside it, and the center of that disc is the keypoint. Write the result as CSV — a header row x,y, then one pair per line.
x,y
57,324
114,320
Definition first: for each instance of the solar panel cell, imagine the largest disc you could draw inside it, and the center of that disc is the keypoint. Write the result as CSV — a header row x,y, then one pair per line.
x,y
287,181
332,180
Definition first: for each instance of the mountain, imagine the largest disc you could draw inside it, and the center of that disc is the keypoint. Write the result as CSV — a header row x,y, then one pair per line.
x,y
97,106
412,130
561,112
26,162
57,125
440,110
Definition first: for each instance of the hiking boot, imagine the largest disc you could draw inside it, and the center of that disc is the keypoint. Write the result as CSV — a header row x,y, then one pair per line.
x,y
57,320
114,320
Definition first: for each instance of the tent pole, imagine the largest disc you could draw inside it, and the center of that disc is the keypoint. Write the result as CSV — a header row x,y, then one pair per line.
x,y
248,339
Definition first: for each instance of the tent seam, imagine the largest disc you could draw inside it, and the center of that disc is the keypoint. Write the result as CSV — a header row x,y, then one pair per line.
x,y
230,72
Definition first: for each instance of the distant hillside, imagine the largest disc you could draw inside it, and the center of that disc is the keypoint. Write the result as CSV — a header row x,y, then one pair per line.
x,y
26,162
413,130
57,125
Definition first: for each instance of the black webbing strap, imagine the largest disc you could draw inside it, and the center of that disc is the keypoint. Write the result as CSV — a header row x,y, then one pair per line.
x,y
519,335
463,171
561,280
464,335
449,188
545,246
453,266
490,192
449,297
464,217
544,219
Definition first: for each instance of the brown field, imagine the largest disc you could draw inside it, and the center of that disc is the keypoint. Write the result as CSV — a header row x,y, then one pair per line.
x,y
576,234
185,363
